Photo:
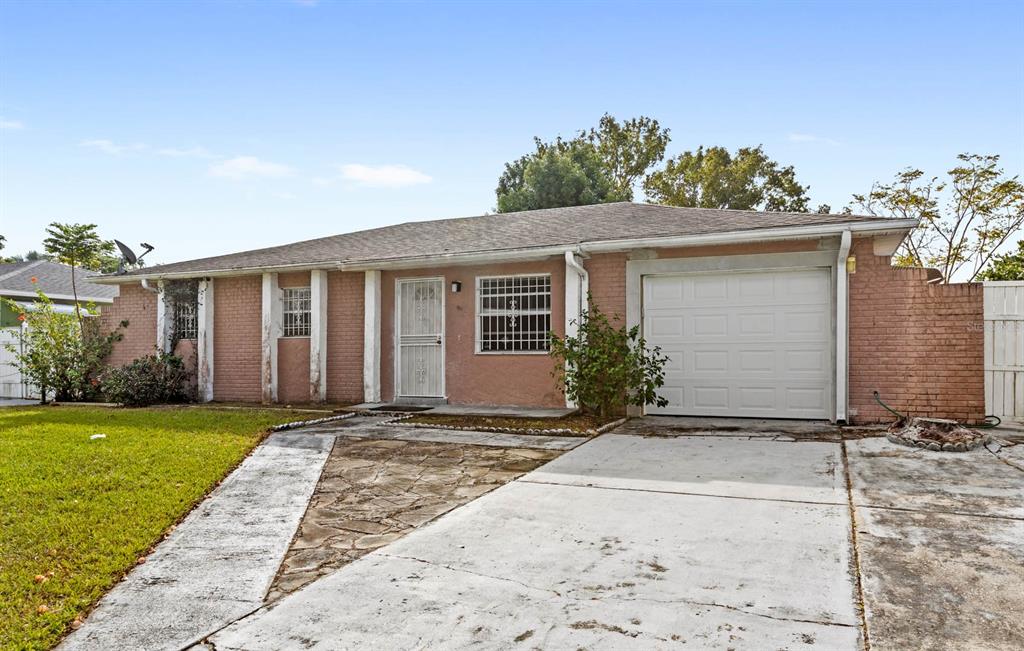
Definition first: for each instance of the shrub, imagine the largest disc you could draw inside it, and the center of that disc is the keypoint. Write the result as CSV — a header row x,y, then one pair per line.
x,y
62,355
603,368
149,380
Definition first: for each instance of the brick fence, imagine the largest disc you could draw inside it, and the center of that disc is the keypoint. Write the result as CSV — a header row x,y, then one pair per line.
x,y
919,345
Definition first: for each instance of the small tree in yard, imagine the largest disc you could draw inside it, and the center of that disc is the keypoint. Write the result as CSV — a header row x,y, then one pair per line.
x,y
78,246
603,368
62,353
1009,266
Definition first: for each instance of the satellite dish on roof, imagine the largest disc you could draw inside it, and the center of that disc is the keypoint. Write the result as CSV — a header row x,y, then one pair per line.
x,y
128,256
126,253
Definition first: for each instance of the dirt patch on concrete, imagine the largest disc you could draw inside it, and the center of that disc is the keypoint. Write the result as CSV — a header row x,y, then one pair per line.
x,y
373,492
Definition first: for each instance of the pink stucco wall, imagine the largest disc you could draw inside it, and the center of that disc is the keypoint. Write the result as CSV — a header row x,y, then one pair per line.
x,y
473,378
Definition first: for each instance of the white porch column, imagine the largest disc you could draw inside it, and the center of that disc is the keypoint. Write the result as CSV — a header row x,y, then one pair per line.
x,y
371,337
842,325
163,319
204,342
271,308
318,336
577,284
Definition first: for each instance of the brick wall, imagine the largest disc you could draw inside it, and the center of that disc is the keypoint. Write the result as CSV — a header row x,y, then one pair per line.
x,y
345,336
138,306
607,272
921,346
237,338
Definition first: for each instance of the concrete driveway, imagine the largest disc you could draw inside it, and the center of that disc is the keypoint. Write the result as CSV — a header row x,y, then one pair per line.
x,y
668,533
631,541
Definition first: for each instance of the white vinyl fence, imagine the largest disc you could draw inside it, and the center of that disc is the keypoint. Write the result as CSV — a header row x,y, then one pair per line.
x,y
11,383
1004,349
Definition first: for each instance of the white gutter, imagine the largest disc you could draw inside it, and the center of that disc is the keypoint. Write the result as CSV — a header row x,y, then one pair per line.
x,y
145,285
842,325
733,237
56,297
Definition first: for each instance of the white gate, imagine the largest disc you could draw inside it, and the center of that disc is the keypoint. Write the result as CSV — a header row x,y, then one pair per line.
x,y
1004,349
419,368
12,385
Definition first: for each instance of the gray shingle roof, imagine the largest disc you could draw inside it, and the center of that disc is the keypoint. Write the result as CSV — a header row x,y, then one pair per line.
x,y
505,232
54,279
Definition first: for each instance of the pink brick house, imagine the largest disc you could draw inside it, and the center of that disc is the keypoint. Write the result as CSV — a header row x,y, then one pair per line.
x,y
762,314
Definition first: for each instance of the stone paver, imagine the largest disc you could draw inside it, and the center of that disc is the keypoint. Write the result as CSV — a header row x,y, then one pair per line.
x,y
536,564
372,492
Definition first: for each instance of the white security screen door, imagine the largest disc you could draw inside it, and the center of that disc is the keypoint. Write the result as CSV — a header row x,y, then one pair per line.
x,y
420,363
755,344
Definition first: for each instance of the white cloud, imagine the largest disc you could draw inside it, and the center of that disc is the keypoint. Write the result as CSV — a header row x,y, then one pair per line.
x,y
383,176
190,152
112,148
242,167
807,137
321,181
11,124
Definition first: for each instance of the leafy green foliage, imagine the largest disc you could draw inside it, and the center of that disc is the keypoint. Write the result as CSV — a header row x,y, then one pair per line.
x,y
62,354
561,176
605,368
596,166
151,380
78,245
79,512
982,209
714,178
1008,266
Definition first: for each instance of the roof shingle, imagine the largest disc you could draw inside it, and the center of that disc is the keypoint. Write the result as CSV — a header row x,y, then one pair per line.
x,y
504,232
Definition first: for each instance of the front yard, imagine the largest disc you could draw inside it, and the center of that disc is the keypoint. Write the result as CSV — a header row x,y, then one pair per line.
x,y
76,512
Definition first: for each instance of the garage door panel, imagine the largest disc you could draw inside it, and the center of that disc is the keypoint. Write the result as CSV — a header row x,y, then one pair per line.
x,y
744,344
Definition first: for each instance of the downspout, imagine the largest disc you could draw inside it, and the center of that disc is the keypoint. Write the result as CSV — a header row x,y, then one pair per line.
x,y
842,325
570,260
146,285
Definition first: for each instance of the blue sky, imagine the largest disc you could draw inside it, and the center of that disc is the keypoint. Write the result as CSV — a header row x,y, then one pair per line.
x,y
207,127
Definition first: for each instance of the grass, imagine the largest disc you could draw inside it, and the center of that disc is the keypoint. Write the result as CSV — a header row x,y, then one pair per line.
x,y
579,423
76,513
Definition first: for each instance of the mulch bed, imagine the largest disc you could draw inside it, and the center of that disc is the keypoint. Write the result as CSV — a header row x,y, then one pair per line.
x,y
574,424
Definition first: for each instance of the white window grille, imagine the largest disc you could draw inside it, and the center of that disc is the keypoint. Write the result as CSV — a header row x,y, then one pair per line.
x,y
186,324
296,311
513,314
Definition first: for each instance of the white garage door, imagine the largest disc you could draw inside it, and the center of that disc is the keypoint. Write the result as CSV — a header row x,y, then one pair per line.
x,y
755,344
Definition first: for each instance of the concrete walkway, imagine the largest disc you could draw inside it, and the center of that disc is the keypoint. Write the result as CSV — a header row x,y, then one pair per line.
x,y
219,562
624,542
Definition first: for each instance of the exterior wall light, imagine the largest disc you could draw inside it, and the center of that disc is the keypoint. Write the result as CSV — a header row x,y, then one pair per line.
x,y
851,264
456,287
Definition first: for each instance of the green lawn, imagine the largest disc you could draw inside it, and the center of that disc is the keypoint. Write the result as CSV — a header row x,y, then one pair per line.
x,y
80,512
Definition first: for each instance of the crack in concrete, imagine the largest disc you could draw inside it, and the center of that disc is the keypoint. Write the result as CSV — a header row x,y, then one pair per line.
x,y
713,604
941,512
995,454
525,480
463,570
855,550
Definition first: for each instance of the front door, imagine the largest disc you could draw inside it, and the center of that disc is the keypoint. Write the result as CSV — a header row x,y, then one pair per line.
x,y
420,345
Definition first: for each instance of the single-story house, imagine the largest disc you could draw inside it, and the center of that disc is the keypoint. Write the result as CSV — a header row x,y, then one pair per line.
x,y
18,284
762,314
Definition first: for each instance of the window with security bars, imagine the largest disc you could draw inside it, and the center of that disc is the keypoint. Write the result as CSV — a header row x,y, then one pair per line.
x,y
513,314
186,324
295,312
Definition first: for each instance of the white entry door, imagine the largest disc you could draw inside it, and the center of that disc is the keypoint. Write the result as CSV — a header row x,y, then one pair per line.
x,y
420,345
756,344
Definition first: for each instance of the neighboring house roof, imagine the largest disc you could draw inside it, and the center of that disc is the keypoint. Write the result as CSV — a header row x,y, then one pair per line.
x,y
55,281
511,232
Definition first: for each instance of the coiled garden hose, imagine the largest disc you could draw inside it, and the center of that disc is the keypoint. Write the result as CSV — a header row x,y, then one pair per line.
x,y
986,425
